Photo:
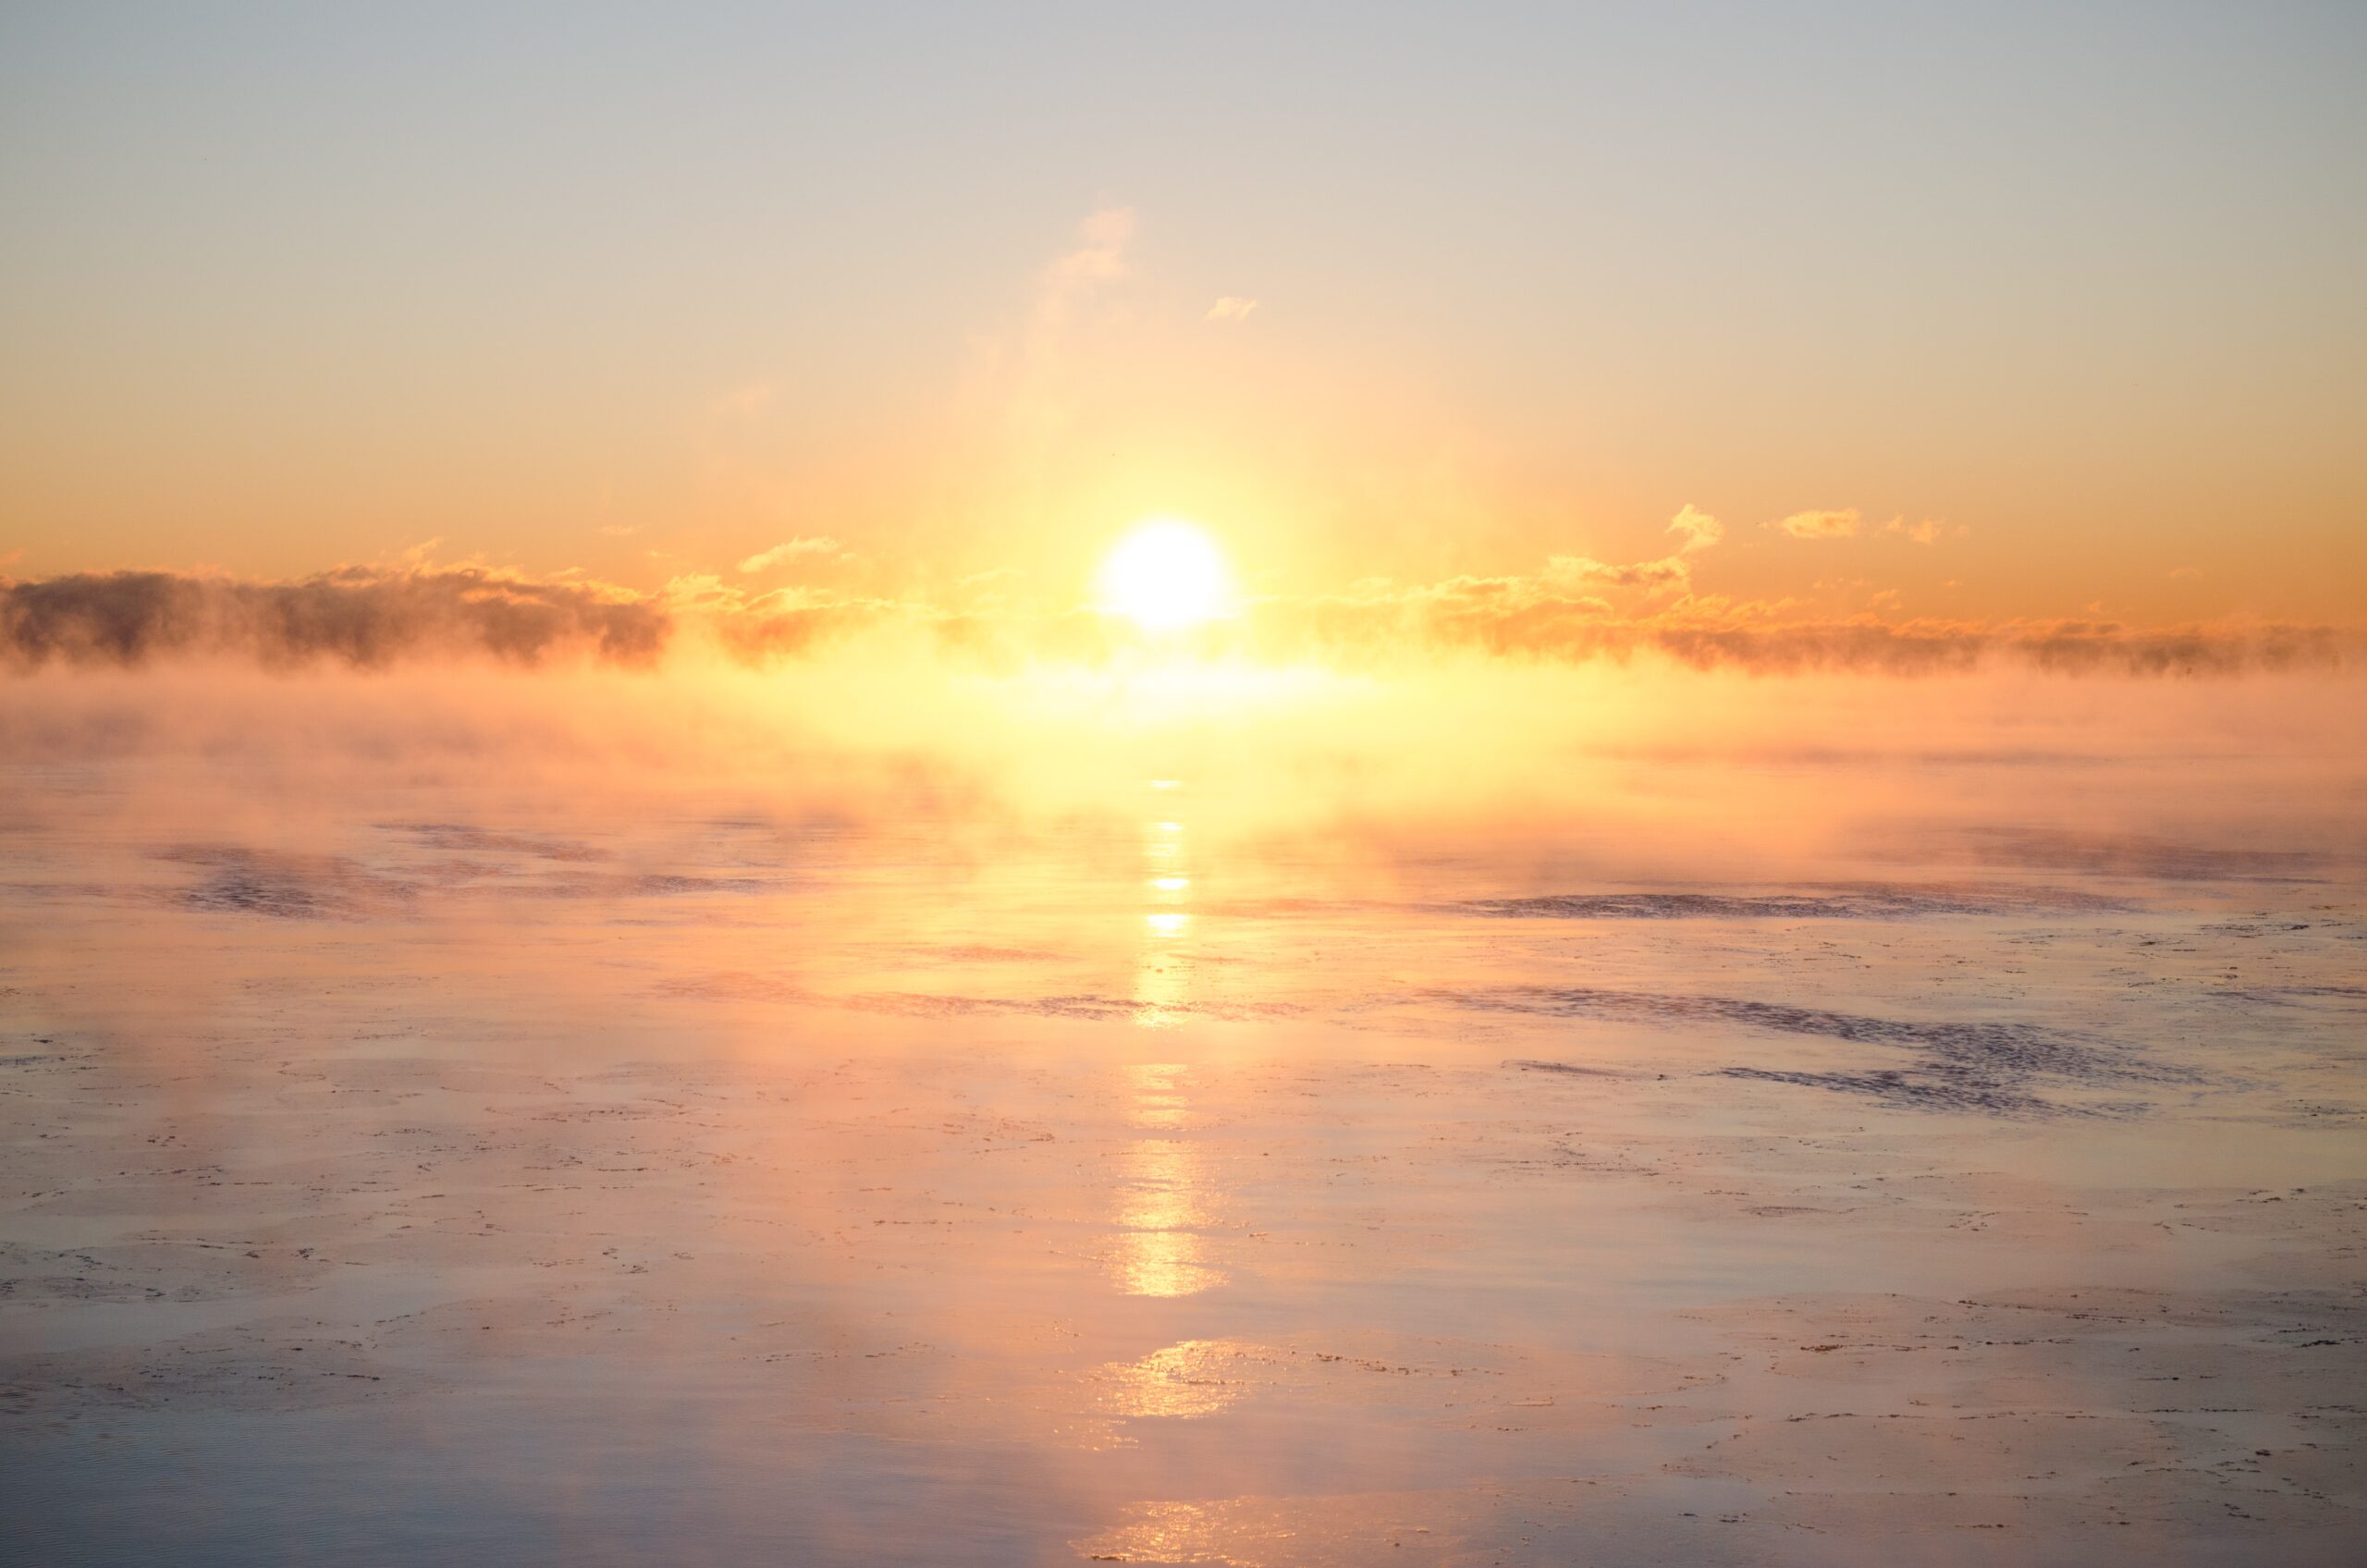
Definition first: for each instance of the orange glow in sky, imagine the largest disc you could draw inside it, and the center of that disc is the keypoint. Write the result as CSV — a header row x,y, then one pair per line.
x,y
1450,345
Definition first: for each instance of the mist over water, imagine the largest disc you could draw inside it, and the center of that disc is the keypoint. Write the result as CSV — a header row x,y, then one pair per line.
x,y
1176,1113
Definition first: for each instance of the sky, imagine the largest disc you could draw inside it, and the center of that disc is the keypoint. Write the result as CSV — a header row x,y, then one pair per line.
x,y
1722,314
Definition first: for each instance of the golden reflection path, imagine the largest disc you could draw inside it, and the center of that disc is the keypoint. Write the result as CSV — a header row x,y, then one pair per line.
x,y
1162,972
1165,1201
1182,1382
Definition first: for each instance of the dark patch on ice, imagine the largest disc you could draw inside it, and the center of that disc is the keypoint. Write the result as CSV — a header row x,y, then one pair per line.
x,y
2165,860
461,838
242,892
256,1367
1983,1067
244,881
85,890
2291,995
2026,1047
667,885
570,884
2259,925
1846,902
1570,1067
1920,1091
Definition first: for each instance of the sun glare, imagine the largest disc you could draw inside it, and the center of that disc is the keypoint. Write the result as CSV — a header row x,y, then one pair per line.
x,y
1166,574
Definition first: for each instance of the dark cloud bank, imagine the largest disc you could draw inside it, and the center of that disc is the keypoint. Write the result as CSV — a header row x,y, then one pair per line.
x,y
369,618
352,616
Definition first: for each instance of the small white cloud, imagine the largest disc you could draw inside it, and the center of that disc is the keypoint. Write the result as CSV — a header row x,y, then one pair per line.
x,y
1700,530
1233,307
1928,531
1101,250
765,559
1820,524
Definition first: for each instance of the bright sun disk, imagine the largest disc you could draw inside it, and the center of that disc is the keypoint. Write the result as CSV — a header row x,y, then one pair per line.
x,y
1166,574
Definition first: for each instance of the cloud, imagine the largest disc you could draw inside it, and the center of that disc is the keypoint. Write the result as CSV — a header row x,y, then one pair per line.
x,y
1928,531
374,618
1029,378
1100,252
790,550
1233,307
1699,529
1523,618
1696,531
1666,573
1820,524
360,615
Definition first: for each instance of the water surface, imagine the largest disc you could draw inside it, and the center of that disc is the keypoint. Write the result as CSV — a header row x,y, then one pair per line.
x,y
436,1172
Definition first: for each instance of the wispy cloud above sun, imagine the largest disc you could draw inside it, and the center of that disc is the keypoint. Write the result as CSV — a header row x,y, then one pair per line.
x,y
790,550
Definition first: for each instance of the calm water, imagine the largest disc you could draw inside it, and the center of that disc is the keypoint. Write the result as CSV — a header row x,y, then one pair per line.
x,y
437,1172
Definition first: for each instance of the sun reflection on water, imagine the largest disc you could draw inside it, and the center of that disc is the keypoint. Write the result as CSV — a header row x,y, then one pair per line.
x,y
1164,1264
1162,973
1165,1200
1183,1381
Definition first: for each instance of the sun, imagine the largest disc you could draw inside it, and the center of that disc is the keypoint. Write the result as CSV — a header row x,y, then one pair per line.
x,y
1166,574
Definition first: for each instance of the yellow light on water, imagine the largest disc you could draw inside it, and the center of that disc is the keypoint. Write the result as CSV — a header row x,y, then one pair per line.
x,y
1165,575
